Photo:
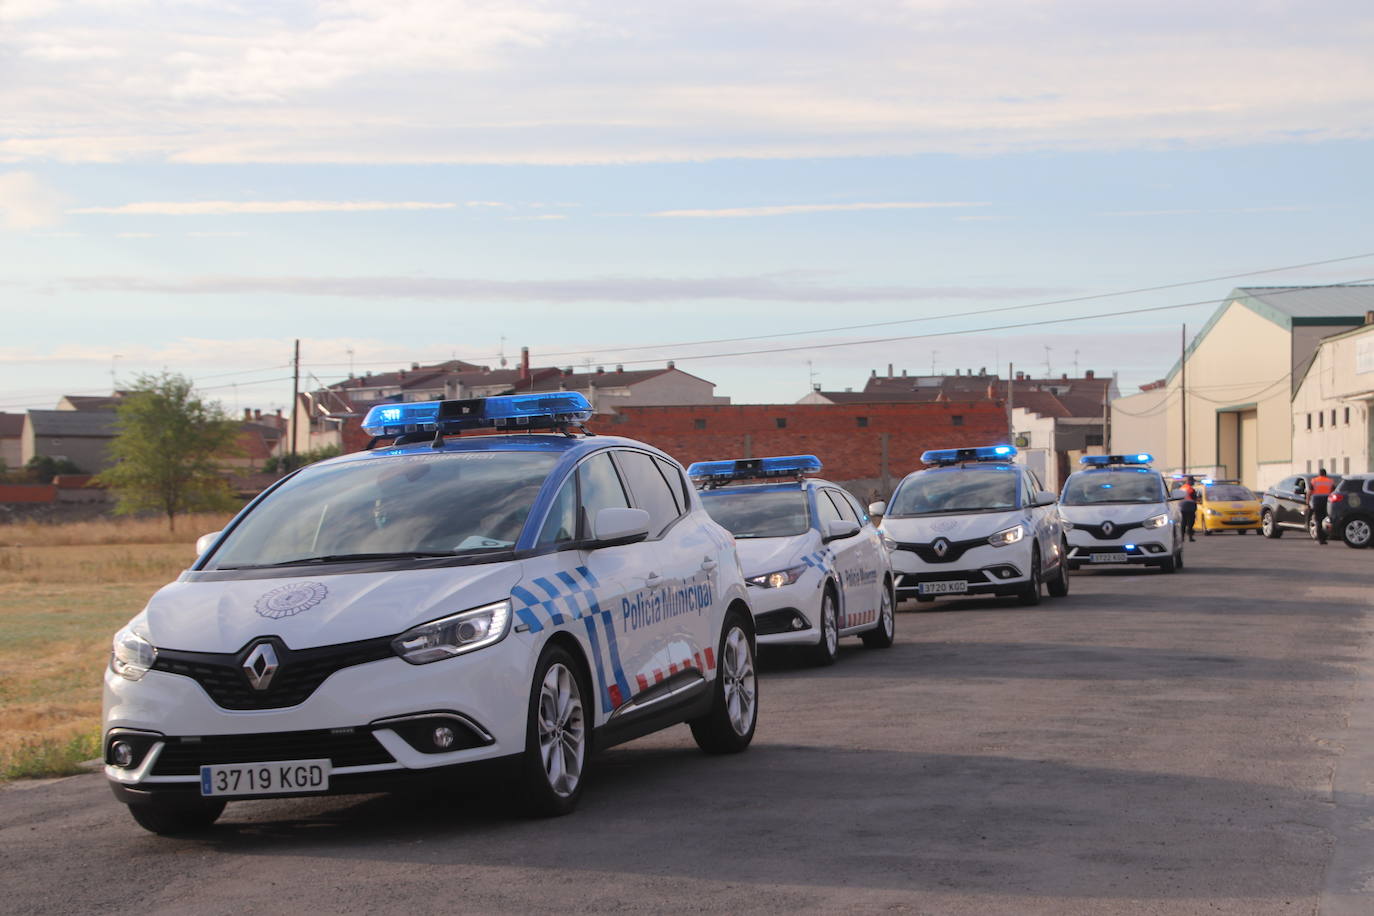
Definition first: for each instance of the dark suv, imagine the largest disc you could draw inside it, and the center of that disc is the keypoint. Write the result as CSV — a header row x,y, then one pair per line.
x,y
1284,506
1351,510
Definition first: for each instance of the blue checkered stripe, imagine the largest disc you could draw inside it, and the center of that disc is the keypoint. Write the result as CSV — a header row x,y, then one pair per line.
x,y
567,596
820,559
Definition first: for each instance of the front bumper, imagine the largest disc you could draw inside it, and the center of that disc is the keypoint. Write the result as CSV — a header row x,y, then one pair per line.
x,y
789,615
1143,550
982,571
362,718
1209,522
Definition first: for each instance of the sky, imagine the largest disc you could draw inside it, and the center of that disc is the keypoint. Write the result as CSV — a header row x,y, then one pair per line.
x,y
775,195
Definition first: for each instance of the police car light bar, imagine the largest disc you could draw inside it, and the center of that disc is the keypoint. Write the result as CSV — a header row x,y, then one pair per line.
x,y
981,453
1097,461
519,411
747,468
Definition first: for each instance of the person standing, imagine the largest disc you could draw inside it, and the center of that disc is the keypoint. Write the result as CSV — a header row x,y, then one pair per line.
x,y
1318,492
1188,508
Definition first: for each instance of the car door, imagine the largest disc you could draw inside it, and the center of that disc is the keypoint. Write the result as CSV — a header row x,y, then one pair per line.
x,y
875,557
680,620
1290,502
849,558
586,590
1043,519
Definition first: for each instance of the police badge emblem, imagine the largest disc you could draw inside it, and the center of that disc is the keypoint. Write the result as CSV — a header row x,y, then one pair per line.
x,y
290,600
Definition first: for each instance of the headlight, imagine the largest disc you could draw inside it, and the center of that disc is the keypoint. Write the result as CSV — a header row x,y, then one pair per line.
x,y
450,636
131,655
777,579
1159,521
1007,536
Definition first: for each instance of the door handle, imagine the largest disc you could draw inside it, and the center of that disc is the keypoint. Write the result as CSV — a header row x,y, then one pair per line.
x,y
708,564
652,578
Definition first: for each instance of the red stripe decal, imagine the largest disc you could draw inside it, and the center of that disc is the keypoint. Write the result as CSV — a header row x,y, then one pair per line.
x,y
642,681
710,658
616,698
658,676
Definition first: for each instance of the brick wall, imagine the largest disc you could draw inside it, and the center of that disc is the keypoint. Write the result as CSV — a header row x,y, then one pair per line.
x,y
27,493
850,439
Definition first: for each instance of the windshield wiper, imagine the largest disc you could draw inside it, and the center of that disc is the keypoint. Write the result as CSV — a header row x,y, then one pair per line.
x,y
354,557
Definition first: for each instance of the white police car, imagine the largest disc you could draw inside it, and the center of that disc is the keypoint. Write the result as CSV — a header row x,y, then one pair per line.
x,y
816,566
1116,511
975,524
479,609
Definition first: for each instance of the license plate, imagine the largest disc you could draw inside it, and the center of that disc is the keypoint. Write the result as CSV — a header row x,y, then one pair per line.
x,y
943,588
1109,558
265,778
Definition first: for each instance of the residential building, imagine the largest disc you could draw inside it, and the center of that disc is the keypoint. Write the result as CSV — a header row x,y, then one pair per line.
x,y
82,437
11,440
1331,409
1241,369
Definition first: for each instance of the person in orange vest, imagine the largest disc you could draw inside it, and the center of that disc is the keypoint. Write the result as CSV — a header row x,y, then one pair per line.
x,y
1188,507
1318,490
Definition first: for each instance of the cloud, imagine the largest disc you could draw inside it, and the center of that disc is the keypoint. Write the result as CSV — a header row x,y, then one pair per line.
x,y
792,209
237,207
27,203
790,287
533,81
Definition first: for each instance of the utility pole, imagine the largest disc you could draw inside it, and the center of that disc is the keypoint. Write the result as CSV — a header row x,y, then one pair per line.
x,y
1183,391
295,396
1011,426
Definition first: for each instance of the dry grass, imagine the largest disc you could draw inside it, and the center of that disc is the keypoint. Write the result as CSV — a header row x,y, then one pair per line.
x,y
111,531
62,596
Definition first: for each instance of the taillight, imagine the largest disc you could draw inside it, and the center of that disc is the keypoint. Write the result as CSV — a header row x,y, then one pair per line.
x,y
1336,497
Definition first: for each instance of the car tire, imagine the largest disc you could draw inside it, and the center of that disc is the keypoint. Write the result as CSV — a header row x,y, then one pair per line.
x,y
885,633
729,726
176,816
1357,533
1059,586
1268,527
1030,594
1312,527
1206,532
827,648
558,736
1169,564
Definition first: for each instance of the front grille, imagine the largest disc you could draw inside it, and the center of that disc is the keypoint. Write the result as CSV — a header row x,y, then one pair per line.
x,y
299,671
185,756
771,623
953,549
1118,529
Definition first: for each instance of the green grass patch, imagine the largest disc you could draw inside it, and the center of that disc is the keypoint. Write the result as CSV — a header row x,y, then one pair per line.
x,y
34,758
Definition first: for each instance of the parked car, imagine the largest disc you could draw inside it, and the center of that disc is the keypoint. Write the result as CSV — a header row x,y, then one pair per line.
x,y
1284,506
1350,510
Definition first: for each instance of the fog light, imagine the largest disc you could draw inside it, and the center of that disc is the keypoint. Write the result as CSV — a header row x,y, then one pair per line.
x,y
443,737
122,754
798,623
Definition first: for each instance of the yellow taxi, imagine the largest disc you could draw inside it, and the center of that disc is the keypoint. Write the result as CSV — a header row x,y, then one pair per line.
x,y
1225,505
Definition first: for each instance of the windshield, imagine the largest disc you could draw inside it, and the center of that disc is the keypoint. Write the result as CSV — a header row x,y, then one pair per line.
x,y
1090,488
1227,492
969,490
436,504
758,513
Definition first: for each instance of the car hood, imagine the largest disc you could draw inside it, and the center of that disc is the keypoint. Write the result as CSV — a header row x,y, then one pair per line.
x,y
1114,512
758,556
305,612
927,528
1234,505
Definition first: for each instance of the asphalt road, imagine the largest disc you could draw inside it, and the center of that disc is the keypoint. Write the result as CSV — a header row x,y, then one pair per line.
x,y
1191,743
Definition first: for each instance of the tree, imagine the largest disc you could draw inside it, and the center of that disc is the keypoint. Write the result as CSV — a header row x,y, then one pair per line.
x,y
166,448
44,468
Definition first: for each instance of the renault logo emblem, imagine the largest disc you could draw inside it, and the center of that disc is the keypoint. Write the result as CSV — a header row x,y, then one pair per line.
x,y
1108,528
260,665
940,546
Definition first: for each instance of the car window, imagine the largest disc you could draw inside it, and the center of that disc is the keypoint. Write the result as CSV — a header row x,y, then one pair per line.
x,y
1286,484
600,488
965,490
842,506
1369,485
561,523
859,511
1227,492
826,511
758,513
1086,488
676,482
651,491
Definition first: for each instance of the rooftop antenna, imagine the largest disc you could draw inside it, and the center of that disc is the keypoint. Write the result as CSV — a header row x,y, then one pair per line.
x,y
1049,373
350,361
933,354
811,375
1075,364
503,351
113,361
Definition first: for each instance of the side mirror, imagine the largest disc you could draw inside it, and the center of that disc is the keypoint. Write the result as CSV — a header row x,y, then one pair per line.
x,y
878,508
619,526
1045,498
206,541
1178,496
840,528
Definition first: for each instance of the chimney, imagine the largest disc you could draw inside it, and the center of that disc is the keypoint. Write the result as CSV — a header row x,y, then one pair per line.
x,y
873,373
414,366
1064,377
600,370
524,364
903,373
889,370
956,373
1020,376
247,414
671,364
982,371
568,370
992,392
619,367
1089,372
257,414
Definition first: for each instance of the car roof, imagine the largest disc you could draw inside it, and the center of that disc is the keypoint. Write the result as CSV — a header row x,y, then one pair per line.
x,y
572,447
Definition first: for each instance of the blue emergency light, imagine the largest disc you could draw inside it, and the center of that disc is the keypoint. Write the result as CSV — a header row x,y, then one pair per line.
x,y
749,468
1101,461
519,411
981,453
